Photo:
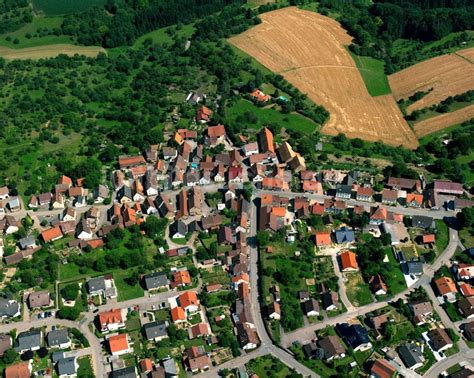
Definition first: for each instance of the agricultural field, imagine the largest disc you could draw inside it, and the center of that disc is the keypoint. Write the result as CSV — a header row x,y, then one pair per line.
x,y
437,123
49,51
372,71
61,7
309,51
446,75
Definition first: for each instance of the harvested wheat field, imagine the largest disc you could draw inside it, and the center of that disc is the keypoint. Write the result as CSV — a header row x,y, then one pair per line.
x,y
442,121
49,51
308,49
448,75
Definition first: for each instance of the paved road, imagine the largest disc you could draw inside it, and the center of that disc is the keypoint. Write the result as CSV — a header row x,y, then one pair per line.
x,y
342,286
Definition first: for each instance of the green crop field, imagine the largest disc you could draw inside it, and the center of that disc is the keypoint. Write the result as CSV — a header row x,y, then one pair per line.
x,y
60,7
372,71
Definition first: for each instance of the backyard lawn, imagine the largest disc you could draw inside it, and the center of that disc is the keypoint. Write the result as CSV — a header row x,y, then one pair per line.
x,y
270,116
442,236
269,366
125,290
358,291
85,368
394,279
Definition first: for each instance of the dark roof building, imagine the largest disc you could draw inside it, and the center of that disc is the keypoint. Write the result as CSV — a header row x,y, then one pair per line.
x,y
29,340
411,355
57,337
355,335
332,347
156,280
155,330
67,366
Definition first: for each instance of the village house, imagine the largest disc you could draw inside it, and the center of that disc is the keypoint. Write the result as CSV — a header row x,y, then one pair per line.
x,y
348,262
155,330
332,347
274,311
355,335
421,311
39,299
119,344
364,194
215,135
311,307
446,288
411,355
110,321
377,285
155,281
439,339
258,96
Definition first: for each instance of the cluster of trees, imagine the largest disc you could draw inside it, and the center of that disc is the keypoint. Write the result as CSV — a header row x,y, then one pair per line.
x,y
370,257
41,271
120,22
446,164
14,14
376,25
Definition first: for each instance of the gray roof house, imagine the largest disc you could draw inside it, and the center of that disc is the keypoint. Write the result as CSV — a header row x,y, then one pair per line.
x,y
414,267
27,242
128,372
411,356
156,280
56,356
96,285
155,330
67,367
9,308
58,338
178,230
343,191
170,368
344,235
29,340
423,222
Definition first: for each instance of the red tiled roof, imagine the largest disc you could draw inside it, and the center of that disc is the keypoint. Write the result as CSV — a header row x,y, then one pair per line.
x,y
382,369
348,260
52,234
216,131
323,238
188,298
129,161
429,238
21,370
177,313
118,343
445,285
111,317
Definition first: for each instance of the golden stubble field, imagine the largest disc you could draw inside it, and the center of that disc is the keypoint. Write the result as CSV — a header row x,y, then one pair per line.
x,y
442,121
309,50
448,75
49,51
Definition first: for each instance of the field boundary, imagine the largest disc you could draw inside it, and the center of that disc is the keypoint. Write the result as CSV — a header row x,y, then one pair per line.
x,y
49,51
435,124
